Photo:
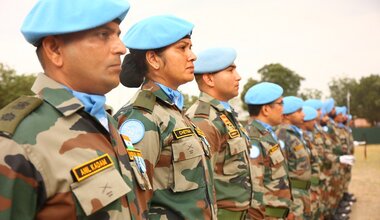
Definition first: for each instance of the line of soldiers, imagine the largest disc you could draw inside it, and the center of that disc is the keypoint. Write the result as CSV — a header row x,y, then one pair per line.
x,y
64,156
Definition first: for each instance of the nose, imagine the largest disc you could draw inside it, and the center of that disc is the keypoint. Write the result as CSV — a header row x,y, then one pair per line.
x,y
119,47
192,56
238,77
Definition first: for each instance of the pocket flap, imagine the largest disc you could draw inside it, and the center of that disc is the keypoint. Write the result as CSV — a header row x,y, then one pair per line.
x,y
99,190
237,145
186,148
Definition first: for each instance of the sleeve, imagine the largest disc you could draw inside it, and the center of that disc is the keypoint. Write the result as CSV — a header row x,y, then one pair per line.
x,y
21,192
140,126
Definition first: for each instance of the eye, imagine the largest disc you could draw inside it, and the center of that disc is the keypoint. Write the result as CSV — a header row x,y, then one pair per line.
x,y
104,34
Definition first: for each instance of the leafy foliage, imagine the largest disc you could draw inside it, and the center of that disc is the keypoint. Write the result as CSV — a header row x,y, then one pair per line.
x,y
12,86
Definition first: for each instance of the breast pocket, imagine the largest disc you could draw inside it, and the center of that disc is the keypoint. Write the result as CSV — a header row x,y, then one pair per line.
x,y
236,157
188,170
277,162
99,190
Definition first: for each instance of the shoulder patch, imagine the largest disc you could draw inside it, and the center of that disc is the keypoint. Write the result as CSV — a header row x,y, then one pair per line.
x,y
282,144
254,151
12,114
145,99
134,129
325,128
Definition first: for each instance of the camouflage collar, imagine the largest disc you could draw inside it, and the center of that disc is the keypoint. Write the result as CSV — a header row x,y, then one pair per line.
x,y
263,131
56,95
214,102
157,91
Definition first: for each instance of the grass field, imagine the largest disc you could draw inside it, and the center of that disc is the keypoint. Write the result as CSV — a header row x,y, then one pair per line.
x,y
365,184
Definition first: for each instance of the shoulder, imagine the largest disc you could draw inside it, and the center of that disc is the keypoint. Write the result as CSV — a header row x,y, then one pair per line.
x,y
14,113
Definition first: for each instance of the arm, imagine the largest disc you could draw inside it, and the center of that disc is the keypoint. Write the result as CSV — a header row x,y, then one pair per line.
x,y
21,192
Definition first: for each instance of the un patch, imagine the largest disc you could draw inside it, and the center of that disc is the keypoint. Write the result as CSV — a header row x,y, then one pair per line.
x,y
134,129
254,151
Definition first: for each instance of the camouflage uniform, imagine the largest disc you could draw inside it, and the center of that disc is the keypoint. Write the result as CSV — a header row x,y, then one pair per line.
x,y
337,170
229,150
271,182
347,147
316,164
46,167
176,154
323,144
298,159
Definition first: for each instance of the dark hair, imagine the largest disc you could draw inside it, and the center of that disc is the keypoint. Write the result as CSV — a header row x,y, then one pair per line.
x,y
254,110
133,69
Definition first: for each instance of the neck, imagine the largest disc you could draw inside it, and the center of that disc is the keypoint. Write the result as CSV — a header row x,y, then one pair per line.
x,y
263,119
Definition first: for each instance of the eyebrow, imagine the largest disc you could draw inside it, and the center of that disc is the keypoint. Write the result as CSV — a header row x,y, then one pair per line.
x,y
118,31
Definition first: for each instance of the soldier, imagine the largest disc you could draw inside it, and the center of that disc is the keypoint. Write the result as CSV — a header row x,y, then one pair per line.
x,y
176,151
338,210
218,81
308,127
297,156
271,192
323,145
61,154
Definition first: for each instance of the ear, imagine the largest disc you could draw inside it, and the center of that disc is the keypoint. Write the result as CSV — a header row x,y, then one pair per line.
x,y
52,46
152,59
265,110
208,79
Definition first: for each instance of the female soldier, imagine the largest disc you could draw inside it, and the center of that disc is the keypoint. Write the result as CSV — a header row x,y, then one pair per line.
x,y
176,152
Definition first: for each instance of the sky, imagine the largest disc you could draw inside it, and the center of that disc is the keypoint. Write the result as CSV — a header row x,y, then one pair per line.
x,y
319,39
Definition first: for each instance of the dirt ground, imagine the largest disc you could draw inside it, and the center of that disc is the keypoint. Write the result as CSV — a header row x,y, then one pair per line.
x,y
365,184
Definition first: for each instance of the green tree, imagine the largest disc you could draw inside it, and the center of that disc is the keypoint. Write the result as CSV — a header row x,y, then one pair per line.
x,y
286,78
311,94
251,82
339,88
12,85
365,98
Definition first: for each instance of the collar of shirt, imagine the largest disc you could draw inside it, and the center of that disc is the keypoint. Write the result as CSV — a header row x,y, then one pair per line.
x,y
175,96
268,128
297,130
93,104
341,125
226,105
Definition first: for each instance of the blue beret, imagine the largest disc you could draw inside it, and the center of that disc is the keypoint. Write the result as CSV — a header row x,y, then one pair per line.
x,y
263,93
341,110
328,105
54,17
314,103
157,32
310,113
214,60
292,104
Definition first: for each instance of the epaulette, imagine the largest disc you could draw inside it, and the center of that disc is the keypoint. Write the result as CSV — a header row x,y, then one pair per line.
x,y
145,99
203,109
12,114
253,132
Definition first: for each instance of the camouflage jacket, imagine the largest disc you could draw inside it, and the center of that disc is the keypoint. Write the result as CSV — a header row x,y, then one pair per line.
x,y
315,160
324,145
176,154
297,155
271,182
61,163
335,135
229,149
